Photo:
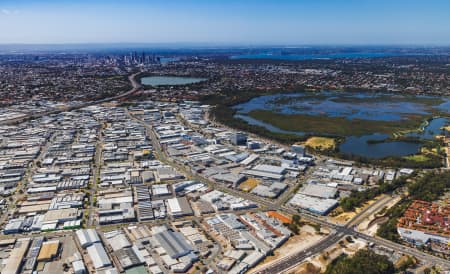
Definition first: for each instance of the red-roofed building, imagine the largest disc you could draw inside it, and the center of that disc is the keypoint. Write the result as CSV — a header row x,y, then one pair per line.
x,y
425,222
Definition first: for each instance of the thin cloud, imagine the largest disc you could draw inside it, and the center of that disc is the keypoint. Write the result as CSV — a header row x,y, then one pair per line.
x,y
8,12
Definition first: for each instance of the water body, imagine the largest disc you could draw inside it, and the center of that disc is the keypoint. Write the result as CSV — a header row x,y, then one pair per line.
x,y
298,57
359,146
268,126
353,105
432,129
170,80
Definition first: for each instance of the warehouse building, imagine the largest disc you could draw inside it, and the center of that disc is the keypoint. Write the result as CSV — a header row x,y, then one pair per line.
x,y
119,215
313,204
263,174
270,169
299,150
180,186
87,237
159,190
238,138
49,251
319,191
78,267
179,207
14,262
32,254
272,190
144,203
173,243
229,179
129,257
98,255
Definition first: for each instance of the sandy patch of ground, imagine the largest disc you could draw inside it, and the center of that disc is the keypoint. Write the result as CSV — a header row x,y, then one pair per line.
x,y
341,217
307,268
68,249
321,143
372,230
447,128
307,237
370,227
320,261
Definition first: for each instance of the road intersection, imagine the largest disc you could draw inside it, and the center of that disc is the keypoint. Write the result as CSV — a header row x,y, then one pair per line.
x,y
338,231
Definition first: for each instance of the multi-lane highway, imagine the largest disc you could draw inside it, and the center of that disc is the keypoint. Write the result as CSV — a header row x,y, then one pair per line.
x,y
338,231
135,87
293,260
290,261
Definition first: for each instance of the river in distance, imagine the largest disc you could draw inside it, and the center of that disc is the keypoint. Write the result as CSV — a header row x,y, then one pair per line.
x,y
299,57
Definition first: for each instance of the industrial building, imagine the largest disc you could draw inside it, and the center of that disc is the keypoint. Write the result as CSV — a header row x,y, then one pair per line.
x,y
269,190
98,255
318,190
87,237
78,267
49,251
313,204
179,207
264,171
238,138
173,243
14,262
129,257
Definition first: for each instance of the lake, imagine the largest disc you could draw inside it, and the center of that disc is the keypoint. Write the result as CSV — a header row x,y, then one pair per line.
x,y
357,145
350,105
170,80
431,130
354,106
268,126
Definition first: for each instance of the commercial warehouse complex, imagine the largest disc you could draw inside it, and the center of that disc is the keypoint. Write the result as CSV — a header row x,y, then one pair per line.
x,y
153,187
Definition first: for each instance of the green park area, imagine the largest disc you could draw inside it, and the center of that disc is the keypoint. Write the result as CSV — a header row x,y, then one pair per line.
x,y
339,126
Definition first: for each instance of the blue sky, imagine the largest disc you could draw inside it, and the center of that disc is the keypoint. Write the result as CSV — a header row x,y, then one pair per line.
x,y
280,22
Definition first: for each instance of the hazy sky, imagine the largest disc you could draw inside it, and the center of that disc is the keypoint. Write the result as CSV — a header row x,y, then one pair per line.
x,y
226,21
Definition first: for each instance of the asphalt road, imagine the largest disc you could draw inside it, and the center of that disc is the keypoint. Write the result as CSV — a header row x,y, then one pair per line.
x,y
293,260
135,87
95,176
338,231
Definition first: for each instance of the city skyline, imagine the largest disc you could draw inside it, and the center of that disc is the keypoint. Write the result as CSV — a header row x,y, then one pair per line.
x,y
225,22
224,136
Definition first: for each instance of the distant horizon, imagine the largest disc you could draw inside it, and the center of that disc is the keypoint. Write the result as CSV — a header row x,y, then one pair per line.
x,y
223,45
237,44
239,50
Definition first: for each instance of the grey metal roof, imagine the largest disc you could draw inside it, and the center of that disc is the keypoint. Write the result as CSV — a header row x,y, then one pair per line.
x,y
174,243
98,255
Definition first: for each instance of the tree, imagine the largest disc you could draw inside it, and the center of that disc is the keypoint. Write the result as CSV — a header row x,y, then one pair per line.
x,y
358,198
408,263
296,219
363,262
294,228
